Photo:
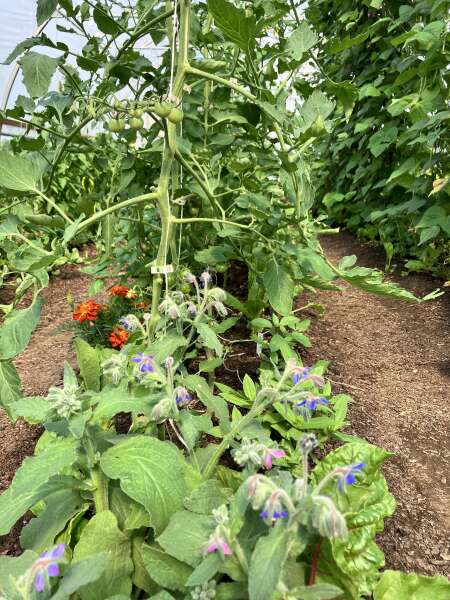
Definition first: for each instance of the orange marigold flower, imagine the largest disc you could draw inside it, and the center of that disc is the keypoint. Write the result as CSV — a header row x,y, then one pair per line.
x,y
131,294
119,290
118,337
141,305
87,311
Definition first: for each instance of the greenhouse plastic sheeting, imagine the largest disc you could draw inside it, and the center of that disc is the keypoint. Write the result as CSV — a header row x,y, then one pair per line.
x,y
18,21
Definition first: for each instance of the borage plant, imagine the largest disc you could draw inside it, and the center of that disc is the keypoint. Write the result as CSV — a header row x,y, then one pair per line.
x,y
133,485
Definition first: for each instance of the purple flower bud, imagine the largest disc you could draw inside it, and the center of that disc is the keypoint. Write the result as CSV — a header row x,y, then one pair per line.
x,y
182,396
217,543
173,311
269,454
205,278
191,308
273,509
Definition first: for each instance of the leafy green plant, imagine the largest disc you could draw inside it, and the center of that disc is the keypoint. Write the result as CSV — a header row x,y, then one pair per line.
x,y
149,478
384,168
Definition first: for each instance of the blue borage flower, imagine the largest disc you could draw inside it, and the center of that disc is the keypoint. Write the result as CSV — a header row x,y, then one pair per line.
x,y
47,566
347,475
129,322
182,396
264,514
146,362
300,374
307,406
205,278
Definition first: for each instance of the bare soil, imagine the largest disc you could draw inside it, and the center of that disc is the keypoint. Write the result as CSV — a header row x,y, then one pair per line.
x,y
392,357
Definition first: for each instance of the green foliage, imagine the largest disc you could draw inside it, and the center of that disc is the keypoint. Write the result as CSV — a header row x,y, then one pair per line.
x,y
28,485
103,534
384,167
395,585
151,472
267,563
18,173
155,480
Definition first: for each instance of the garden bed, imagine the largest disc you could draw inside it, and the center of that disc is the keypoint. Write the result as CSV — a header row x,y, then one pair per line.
x,y
384,353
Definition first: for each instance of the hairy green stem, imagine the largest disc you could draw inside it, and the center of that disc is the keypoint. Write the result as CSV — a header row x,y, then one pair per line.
x,y
103,213
167,229
54,205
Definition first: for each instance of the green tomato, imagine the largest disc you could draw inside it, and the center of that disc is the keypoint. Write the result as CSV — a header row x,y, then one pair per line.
x,y
175,116
120,125
113,125
318,127
136,123
162,109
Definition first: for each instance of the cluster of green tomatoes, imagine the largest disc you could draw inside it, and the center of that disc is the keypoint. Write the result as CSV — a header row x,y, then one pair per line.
x,y
132,113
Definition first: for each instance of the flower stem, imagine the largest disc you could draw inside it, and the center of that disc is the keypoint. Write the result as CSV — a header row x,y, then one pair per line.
x,y
315,561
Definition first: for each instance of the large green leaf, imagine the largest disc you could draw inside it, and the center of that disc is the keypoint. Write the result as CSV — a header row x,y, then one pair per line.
x,y
89,362
395,585
130,514
33,409
40,533
166,571
112,401
215,404
317,105
318,591
279,287
151,472
11,568
45,9
209,495
301,40
381,140
209,338
186,535
234,24
38,70
27,486
81,573
366,504
16,331
372,280
10,389
104,21
18,173
267,562
102,534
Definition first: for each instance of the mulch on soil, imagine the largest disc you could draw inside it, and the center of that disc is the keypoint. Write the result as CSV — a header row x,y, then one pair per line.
x,y
392,357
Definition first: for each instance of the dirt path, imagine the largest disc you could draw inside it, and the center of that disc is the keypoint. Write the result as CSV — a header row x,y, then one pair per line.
x,y
39,367
393,358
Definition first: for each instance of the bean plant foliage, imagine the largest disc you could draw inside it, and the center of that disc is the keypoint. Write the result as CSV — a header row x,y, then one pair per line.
x,y
385,168
152,477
